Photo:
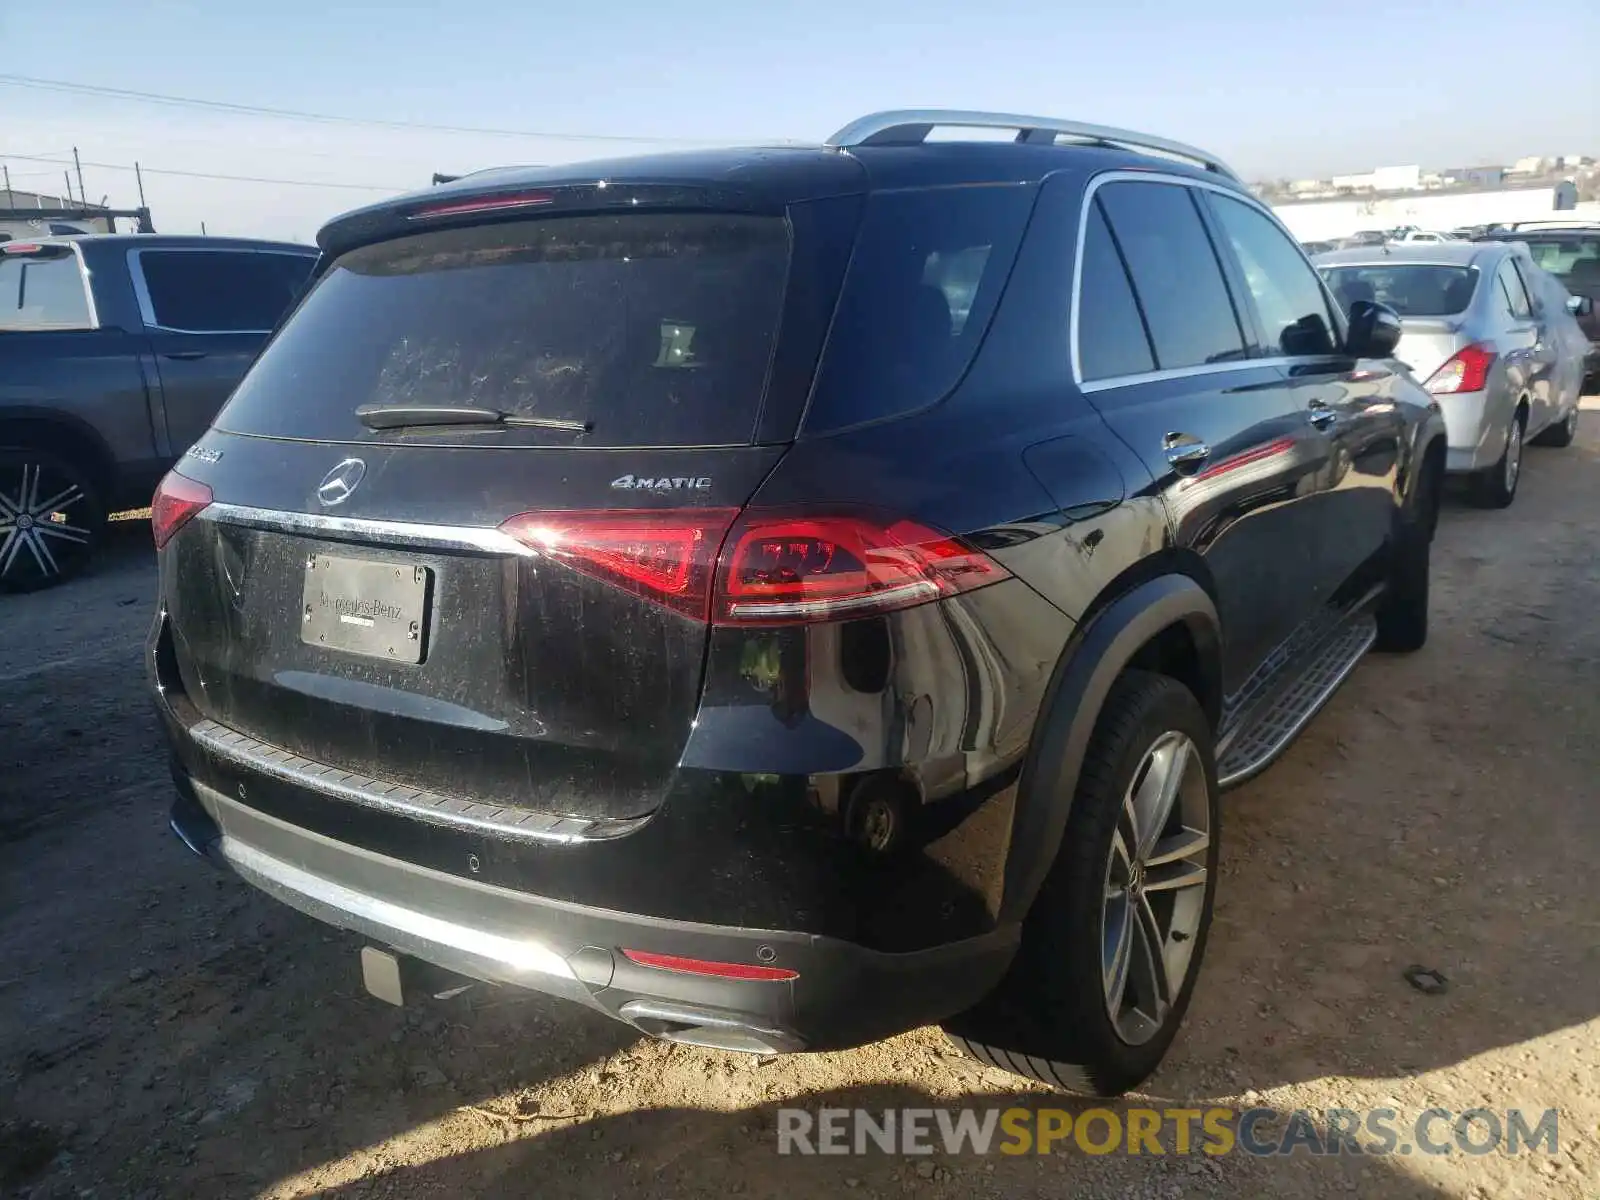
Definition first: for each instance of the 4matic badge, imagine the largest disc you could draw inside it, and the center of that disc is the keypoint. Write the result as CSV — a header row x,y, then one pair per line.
x,y
674,483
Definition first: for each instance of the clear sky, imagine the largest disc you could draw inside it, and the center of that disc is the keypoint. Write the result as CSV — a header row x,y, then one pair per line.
x,y
1280,89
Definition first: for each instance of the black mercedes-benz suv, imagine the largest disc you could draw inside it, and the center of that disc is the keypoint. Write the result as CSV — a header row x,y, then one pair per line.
x,y
781,597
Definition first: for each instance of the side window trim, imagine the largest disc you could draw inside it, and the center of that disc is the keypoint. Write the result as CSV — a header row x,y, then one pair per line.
x,y
1086,206
141,290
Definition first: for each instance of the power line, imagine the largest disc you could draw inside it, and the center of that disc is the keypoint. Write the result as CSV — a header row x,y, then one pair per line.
x,y
86,89
359,187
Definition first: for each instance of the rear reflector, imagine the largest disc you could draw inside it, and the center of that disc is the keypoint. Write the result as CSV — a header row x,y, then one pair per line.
x,y
700,966
763,568
178,498
1466,371
483,204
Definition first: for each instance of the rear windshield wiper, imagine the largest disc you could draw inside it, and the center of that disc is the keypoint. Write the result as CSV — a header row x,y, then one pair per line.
x,y
402,416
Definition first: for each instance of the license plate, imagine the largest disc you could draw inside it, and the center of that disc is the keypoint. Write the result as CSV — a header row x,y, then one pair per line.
x,y
365,607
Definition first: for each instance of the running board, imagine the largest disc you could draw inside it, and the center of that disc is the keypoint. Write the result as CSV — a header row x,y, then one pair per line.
x,y
1268,726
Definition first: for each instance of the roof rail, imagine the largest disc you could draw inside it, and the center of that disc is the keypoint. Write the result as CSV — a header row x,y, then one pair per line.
x,y
913,125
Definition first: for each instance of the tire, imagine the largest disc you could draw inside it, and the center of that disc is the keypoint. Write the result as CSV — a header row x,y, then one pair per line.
x,y
1051,1019
1497,487
1402,615
51,519
1562,434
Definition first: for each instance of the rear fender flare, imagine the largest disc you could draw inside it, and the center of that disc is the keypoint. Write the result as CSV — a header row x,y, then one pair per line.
x,y
1098,652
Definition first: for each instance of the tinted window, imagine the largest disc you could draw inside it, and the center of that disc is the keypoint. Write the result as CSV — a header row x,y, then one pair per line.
x,y
1111,335
1516,296
927,271
1573,260
42,293
1411,289
221,291
654,329
1290,303
1175,273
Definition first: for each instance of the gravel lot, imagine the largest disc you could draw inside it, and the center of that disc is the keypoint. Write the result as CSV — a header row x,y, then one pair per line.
x,y
166,1032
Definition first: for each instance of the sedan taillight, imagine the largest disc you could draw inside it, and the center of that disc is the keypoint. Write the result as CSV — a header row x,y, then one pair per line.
x,y
1466,371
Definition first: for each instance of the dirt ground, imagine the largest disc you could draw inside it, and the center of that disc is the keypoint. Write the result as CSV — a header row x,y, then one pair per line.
x,y
164,1031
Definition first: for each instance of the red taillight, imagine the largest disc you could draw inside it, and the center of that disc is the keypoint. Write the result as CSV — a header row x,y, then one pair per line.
x,y
778,570
669,557
772,569
177,499
482,204
21,248
1466,371
701,966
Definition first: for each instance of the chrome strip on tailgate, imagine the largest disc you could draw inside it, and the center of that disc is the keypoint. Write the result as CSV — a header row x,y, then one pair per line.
x,y
513,823
408,534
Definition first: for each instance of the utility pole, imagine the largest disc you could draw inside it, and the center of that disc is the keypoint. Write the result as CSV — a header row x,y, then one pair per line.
x,y
139,178
203,229
67,179
10,203
83,196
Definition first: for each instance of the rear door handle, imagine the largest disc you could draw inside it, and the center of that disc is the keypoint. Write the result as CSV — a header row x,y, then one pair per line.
x,y
184,355
1321,415
1185,450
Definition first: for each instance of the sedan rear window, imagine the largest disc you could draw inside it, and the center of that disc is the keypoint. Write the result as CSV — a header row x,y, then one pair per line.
x,y
651,329
1411,289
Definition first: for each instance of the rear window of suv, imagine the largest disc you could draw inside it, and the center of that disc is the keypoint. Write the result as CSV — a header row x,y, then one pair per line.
x,y
653,329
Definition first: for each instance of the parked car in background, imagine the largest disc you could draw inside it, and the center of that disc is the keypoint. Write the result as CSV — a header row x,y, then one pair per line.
x,y
1318,247
706,597
1492,336
1421,237
115,353
1570,251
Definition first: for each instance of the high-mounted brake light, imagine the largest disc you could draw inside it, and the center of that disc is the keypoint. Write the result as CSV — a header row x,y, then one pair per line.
x,y
701,966
1466,371
21,248
178,498
772,569
483,204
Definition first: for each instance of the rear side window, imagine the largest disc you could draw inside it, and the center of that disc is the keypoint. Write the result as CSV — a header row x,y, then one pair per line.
x,y
1111,334
43,292
1289,300
219,291
654,329
923,283
1175,273
1512,291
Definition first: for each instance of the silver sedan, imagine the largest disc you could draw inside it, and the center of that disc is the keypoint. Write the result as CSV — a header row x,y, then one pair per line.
x,y
1493,337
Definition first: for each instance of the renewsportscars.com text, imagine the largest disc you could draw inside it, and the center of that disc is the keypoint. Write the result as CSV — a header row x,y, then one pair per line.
x,y
1160,1131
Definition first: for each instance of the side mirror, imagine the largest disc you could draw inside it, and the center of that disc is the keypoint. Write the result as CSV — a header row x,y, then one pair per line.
x,y
1580,306
1374,330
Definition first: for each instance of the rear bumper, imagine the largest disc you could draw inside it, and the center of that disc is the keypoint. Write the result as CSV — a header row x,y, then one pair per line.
x,y
1476,425
842,994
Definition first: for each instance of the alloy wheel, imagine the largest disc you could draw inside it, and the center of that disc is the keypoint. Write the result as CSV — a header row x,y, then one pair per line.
x,y
47,523
1155,888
